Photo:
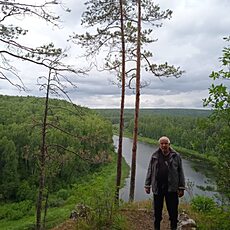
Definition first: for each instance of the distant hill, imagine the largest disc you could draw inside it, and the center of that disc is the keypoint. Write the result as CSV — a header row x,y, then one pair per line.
x,y
113,114
178,112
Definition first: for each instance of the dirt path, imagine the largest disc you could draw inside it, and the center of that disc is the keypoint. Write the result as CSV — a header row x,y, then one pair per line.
x,y
140,219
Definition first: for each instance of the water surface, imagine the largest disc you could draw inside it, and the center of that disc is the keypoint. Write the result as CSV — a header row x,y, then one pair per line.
x,y
144,152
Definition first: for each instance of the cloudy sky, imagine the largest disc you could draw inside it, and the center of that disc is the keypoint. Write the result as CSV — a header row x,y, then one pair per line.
x,y
192,39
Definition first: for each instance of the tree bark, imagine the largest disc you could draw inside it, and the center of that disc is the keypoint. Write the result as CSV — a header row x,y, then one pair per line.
x,y
46,208
121,127
42,159
137,106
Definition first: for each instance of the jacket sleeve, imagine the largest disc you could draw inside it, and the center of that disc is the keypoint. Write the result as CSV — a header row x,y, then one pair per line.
x,y
181,175
148,179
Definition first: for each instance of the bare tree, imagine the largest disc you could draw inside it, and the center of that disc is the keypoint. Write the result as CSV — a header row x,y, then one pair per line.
x,y
56,81
11,48
46,56
56,84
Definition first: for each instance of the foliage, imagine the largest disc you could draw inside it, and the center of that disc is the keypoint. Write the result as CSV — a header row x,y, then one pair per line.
x,y
99,183
20,141
106,35
16,211
187,128
8,168
202,204
63,194
217,218
219,100
219,95
99,195
25,191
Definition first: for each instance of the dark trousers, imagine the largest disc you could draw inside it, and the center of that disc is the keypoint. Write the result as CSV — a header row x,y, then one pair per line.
x,y
172,201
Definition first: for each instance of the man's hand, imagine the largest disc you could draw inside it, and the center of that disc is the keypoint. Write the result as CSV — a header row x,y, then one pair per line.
x,y
147,190
180,192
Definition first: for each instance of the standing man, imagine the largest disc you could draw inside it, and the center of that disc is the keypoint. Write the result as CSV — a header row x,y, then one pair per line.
x,y
166,178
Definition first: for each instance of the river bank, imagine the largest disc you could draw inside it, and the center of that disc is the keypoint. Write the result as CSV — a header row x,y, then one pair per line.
x,y
199,178
188,154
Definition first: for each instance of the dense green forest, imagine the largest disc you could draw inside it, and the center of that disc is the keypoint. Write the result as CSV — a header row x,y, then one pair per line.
x,y
199,132
189,128
79,144
78,141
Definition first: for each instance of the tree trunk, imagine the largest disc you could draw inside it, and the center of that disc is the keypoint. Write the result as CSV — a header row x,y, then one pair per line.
x,y
137,105
42,159
121,128
46,208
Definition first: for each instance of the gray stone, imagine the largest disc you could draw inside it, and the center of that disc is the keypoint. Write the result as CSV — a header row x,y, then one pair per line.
x,y
186,223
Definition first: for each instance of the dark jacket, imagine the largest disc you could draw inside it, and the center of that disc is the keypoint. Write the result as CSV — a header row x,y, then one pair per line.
x,y
175,172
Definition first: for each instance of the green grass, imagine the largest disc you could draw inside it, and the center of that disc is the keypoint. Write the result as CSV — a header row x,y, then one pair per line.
x,y
214,218
91,188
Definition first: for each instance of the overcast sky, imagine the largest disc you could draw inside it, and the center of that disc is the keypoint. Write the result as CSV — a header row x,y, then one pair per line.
x,y
192,39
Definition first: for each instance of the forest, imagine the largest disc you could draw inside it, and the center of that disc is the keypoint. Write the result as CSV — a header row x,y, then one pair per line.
x,y
189,128
80,145
79,141
55,154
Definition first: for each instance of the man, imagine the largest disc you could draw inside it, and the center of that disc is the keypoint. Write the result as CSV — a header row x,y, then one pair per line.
x,y
166,178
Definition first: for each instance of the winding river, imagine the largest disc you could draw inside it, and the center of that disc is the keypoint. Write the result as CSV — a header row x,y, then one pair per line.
x,y
144,152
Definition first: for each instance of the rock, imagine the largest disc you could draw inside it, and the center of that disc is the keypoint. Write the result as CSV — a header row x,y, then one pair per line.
x,y
186,223
73,215
80,211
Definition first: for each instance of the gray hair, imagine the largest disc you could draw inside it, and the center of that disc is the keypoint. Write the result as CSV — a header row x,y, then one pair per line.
x,y
164,138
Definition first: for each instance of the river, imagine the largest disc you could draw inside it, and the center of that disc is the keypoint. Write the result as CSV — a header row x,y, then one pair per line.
x,y
144,152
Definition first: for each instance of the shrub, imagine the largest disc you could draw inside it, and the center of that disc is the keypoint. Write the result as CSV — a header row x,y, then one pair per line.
x,y
63,194
16,211
26,192
56,202
202,204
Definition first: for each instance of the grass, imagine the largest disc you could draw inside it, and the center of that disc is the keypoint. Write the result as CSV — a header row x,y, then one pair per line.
x,y
217,218
91,188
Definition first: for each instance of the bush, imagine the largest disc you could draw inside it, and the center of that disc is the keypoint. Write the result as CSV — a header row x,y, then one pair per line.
x,y
203,204
26,192
217,219
16,211
63,194
56,202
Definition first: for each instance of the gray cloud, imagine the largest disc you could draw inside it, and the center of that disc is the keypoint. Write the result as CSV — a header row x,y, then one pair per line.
x,y
192,39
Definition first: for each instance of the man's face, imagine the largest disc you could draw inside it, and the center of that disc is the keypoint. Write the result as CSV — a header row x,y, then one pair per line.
x,y
164,146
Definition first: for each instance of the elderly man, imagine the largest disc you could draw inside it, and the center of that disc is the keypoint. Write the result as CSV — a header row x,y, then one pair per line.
x,y
166,178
